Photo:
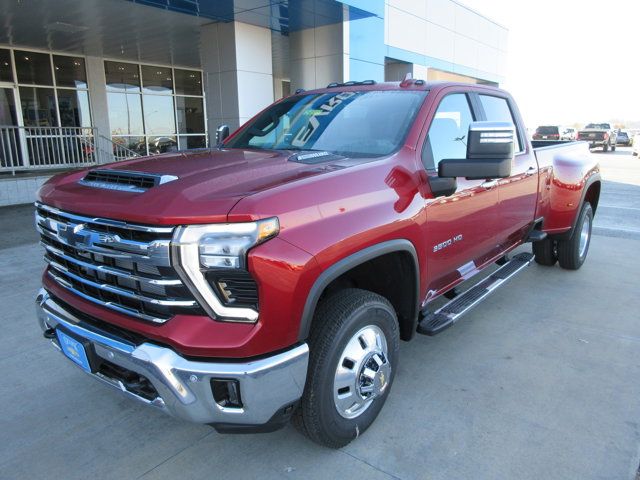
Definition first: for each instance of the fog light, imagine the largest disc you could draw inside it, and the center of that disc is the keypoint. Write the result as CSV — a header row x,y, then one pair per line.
x,y
226,393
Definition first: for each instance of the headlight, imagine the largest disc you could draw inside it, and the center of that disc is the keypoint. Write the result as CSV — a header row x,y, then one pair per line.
x,y
199,248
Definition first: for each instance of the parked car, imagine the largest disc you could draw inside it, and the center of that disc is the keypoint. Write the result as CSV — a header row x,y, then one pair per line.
x,y
623,138
547,132
273,277
599,135
554,132
568,133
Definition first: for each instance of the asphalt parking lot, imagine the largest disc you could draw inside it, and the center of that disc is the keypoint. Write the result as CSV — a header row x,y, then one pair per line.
x,y
539,382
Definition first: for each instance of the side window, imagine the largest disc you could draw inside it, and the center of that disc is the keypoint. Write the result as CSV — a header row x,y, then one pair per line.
x,y
497,109
447,137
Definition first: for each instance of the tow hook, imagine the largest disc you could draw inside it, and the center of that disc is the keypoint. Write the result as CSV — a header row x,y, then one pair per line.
x,y
49,333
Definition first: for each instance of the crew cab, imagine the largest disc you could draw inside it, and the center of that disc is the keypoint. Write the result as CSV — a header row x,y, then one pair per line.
x,y
274,275
599,135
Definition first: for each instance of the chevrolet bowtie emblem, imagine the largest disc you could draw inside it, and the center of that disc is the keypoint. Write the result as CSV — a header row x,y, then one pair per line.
x,y
77,236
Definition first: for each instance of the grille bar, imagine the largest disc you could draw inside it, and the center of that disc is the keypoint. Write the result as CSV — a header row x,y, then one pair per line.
x,y
120,291
114,264
81,235
111,270
113,306
104,221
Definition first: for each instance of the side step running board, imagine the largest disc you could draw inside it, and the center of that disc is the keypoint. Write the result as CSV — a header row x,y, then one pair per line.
x,y
435,322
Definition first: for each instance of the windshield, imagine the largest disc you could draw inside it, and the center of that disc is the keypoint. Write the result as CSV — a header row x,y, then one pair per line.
x,y
599,126
364,123
547,130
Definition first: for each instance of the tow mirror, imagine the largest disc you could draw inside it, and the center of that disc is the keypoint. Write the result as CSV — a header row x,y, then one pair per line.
x,y
222,132
490,150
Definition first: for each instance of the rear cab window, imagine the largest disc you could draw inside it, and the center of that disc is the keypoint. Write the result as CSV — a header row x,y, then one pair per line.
x,y
496,109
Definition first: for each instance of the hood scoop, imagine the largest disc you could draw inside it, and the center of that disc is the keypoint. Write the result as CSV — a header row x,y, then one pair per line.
x,y
124,180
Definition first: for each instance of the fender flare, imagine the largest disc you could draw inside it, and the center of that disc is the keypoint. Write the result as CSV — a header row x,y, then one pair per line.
x,y
346,264
596,177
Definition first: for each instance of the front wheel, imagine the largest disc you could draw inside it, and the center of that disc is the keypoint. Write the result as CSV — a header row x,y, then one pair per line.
x,y
353,345
573,252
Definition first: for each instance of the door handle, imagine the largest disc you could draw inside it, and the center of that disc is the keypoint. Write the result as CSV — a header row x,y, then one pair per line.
x,y
489,184
530,171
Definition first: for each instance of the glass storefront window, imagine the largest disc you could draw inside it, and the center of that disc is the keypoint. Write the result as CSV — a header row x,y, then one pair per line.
x,y
157,80
33,68
125,114
74,108
191,141
38,107
137,144
158,115
6,70
188,82
70,71
190,115
155,109
158,145
122,77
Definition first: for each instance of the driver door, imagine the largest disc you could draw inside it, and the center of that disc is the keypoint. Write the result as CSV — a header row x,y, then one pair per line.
x,y
460,228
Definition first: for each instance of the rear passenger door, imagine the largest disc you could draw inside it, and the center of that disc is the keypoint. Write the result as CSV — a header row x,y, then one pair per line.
x,y
517,193
460,228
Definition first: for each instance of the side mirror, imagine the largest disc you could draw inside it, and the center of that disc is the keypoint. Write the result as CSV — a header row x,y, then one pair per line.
x,y
222,132
490,150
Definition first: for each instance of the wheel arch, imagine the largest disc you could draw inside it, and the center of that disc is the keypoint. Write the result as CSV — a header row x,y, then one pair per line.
x,y
590,193
400,286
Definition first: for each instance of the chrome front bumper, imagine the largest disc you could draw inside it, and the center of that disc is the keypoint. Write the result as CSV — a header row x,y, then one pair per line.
x,y
268,387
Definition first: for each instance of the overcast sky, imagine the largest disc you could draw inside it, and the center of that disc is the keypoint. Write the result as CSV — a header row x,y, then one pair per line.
x,y
571,60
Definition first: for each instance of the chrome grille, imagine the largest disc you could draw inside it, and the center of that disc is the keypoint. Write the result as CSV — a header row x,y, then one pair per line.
x,y
120,266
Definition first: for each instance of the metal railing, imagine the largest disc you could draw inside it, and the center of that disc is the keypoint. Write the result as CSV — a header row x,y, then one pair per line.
x,y
112,151
42,148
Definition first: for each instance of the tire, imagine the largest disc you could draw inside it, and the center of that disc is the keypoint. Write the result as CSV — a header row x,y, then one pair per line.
x,y
339,324
573,252
613,148
605,147
545,252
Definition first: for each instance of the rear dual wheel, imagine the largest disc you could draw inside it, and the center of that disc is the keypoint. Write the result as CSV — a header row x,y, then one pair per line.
x,y
572,252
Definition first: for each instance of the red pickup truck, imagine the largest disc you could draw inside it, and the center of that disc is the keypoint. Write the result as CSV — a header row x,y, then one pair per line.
x,y
272,277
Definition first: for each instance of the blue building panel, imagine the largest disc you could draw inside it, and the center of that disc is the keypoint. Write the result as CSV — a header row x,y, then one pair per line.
x,y
366,40
359,70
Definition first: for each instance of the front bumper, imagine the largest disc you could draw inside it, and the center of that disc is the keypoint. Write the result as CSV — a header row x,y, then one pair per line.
x,y
269,387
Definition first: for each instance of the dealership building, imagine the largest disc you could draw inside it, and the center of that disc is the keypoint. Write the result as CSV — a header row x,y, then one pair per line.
x,y
84,82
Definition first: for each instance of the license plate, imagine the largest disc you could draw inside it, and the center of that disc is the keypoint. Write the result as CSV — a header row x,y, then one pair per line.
x,y
592,135
74,350
544,137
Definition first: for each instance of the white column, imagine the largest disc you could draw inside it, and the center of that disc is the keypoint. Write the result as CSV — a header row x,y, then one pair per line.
x,y
97,84
237,70
317,56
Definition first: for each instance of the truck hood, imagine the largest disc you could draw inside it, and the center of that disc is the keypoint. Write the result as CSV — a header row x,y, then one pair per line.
x,y
208,184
